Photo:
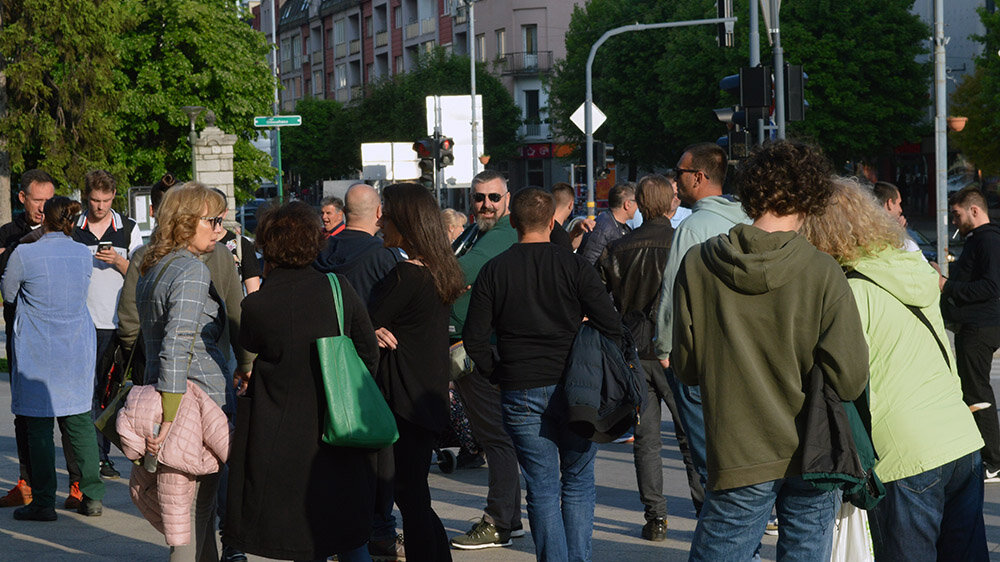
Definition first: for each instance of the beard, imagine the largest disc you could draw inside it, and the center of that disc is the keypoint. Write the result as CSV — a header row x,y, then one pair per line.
x,y
486,223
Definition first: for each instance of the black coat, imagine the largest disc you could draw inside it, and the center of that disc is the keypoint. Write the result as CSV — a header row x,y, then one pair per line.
x,y
290,495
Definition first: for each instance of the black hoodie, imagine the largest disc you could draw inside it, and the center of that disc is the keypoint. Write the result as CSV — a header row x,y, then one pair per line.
x,y
972,294
360,257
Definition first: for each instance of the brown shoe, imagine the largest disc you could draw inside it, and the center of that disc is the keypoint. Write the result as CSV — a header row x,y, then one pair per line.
x,y
387,550
20,494
75,496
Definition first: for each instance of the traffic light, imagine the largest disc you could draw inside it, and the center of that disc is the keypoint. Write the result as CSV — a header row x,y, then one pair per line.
x,y
425,149
601,156
795,85
445,157
752,86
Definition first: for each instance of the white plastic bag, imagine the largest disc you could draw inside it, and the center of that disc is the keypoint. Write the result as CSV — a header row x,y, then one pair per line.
x,y
852,537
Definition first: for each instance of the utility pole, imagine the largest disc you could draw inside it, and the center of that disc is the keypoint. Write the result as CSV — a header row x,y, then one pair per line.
x,y
276,138
755,55
779,69
472,79
940,137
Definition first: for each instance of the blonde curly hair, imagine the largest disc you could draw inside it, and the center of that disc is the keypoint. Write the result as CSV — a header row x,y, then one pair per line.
x,y
854,224
177,218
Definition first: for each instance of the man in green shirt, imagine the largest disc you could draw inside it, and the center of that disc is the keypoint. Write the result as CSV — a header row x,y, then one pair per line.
x,y
502,517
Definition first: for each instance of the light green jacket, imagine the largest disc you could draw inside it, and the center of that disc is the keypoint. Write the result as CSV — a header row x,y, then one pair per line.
x,y
919,420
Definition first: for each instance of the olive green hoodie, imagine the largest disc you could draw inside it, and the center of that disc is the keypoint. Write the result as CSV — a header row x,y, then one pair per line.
x,y
754,311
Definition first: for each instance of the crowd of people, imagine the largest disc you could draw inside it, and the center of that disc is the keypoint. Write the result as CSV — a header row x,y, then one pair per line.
x,y
741,306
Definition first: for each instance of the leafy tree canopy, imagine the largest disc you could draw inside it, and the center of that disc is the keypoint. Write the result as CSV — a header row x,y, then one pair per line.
x,y
324,146
658,88
977,98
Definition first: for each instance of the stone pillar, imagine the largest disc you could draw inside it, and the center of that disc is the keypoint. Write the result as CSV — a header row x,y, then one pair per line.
x,y
213,164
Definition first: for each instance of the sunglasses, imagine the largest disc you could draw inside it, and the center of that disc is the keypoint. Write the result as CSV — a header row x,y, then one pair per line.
x,y
682,170
216,222
480,197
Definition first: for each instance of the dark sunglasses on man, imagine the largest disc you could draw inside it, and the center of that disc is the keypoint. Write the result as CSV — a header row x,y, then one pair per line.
x,y
480,197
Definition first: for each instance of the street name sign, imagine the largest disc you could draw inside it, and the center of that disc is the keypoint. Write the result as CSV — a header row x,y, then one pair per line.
x,y
278,121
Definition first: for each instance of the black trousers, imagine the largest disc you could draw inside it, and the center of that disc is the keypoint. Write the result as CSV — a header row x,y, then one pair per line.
x,y
482,405
974,348
426,539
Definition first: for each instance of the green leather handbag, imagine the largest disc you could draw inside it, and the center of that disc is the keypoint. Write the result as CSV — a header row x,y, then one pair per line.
x,y
356,412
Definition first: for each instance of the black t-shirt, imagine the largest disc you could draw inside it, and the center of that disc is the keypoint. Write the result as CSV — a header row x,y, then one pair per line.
x,y
250,267
560,237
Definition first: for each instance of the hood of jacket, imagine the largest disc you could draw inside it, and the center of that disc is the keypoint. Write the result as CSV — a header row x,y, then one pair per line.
x,y
347,248
752,261
905,275
722,206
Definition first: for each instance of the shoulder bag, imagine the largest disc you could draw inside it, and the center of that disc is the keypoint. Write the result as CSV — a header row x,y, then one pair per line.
x,y
356,412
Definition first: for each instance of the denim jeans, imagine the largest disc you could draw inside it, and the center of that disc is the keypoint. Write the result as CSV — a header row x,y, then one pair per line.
x,y
558,469
688,401
732,521
934,515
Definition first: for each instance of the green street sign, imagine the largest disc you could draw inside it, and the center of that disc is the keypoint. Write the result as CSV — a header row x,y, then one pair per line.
x,y
278,121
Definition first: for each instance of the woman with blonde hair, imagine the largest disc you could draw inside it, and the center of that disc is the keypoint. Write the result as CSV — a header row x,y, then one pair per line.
x,y
181,317
924,433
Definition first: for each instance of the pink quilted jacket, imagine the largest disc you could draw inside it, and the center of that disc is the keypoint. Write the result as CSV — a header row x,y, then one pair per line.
x,y
197,444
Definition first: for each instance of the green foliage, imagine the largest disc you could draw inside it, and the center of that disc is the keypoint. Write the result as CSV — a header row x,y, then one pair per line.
x,y
394,109
658,88
977,98
324,146
189,52
60,86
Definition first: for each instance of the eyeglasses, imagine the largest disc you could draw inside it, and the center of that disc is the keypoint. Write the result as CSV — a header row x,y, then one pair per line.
x,y
216,222
682,170
480,197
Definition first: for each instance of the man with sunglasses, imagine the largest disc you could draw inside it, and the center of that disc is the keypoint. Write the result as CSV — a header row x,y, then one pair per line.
x,y
502,517
701,173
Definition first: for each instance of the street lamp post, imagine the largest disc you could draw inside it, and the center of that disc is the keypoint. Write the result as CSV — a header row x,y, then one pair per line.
x,y
192,112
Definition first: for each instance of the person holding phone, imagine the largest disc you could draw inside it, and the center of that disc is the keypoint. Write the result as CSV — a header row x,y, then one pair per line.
x,y
112,238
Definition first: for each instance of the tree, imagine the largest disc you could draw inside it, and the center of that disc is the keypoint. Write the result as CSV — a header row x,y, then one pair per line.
x,y
189,52
394,109
58,60
866,91
977,98
324,146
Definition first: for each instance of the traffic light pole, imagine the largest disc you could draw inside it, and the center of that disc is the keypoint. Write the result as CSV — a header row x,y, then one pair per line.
x,y
779,72
589,100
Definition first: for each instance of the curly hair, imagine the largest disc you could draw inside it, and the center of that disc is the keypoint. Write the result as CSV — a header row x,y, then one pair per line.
x,y
784,178
854,225
60,214
177,218
290,235
415,214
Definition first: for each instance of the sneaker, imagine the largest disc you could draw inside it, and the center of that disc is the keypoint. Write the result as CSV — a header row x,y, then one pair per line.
x,y
75,496
482,535
517,532
20,494
35,512
992,476
90,508
230,554
627,438
655,530
772,527
470,460
387,550
108,470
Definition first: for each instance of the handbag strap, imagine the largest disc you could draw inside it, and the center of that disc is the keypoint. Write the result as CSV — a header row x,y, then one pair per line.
x,y
338,299
855,274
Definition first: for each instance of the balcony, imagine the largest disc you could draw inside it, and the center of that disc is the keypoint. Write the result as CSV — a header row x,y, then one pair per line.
x,y
427,26
412,30
355,46
340,50
536,130
342,94
525,63
381,38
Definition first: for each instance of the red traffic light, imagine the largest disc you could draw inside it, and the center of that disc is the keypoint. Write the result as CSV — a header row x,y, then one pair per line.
x,y
424,148
447,144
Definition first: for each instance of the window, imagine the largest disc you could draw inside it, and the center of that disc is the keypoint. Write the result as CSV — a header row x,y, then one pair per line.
x,y
317,83
341,76
369,26
398,16
370,71
286,50
481,47
530,33
536,172
338,32
501,42
531,108
399,64
316,39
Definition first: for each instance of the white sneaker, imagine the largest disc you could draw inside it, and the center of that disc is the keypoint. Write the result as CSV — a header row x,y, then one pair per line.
x,y
992,476
772,526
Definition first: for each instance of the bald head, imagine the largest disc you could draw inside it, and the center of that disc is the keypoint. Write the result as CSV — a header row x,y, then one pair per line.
x,y
362,208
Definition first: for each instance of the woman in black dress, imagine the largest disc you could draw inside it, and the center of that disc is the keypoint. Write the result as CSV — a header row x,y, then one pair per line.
x,y
410,312
291,496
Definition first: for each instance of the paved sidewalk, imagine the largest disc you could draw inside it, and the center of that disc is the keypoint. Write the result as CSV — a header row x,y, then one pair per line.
x,y
122,534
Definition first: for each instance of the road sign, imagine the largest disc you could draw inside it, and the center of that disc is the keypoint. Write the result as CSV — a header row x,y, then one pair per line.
x,y
278,121
578,118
